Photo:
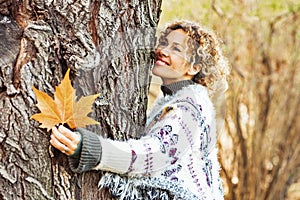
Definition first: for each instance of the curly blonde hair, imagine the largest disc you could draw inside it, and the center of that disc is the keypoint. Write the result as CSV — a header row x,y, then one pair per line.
x,y
206,52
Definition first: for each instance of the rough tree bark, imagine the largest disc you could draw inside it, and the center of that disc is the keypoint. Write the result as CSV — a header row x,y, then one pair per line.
x,y
107,44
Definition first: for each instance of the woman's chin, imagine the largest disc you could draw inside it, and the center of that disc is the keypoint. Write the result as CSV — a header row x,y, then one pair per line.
x,y
156,71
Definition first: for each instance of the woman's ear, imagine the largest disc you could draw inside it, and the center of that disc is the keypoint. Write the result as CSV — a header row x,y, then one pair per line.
x,y
194,69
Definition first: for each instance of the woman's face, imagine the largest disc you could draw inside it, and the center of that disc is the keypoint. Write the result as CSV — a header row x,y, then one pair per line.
x,y
172,63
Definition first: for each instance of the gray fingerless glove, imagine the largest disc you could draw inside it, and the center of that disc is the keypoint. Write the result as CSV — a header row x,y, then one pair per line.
x,y
90,154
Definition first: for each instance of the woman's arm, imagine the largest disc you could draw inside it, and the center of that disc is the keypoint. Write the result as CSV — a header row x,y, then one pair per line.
x,y
171,137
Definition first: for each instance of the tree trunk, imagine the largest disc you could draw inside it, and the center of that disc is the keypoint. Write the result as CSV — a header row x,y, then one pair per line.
x,y
107,45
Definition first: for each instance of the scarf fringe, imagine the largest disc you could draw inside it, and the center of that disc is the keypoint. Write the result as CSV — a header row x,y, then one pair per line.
x,y
140,188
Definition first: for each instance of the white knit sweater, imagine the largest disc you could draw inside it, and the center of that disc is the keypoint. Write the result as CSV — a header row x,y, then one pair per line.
x,y
177,154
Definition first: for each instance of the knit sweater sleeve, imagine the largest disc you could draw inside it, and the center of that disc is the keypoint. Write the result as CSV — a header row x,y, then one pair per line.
x,y
90,152
173,133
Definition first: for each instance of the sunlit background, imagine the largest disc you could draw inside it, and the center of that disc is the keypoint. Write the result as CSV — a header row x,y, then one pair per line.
x,y
259,144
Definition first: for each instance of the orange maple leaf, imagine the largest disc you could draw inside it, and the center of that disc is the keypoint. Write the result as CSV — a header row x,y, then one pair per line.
x,y
64,109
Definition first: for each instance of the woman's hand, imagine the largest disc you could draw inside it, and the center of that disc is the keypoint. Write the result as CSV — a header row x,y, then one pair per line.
x,y
65,140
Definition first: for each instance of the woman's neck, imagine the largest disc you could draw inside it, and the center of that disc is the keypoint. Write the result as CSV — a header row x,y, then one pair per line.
x,y
172,88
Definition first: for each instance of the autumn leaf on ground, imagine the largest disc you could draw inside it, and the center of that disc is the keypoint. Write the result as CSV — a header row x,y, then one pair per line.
x,y
64,109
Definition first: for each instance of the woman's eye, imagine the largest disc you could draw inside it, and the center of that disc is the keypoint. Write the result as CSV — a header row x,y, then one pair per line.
x,y
177,49
163,43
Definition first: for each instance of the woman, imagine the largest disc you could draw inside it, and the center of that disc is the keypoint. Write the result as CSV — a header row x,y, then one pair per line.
x,y
177,157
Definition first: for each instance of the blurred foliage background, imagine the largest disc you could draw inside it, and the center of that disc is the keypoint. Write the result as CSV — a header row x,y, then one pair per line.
x,y
259,144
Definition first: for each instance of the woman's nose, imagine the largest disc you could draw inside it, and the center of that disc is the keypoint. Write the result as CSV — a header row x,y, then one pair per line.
x,y
163,51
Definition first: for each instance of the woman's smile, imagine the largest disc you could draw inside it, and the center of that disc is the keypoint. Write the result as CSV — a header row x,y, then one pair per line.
x,y
161,61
